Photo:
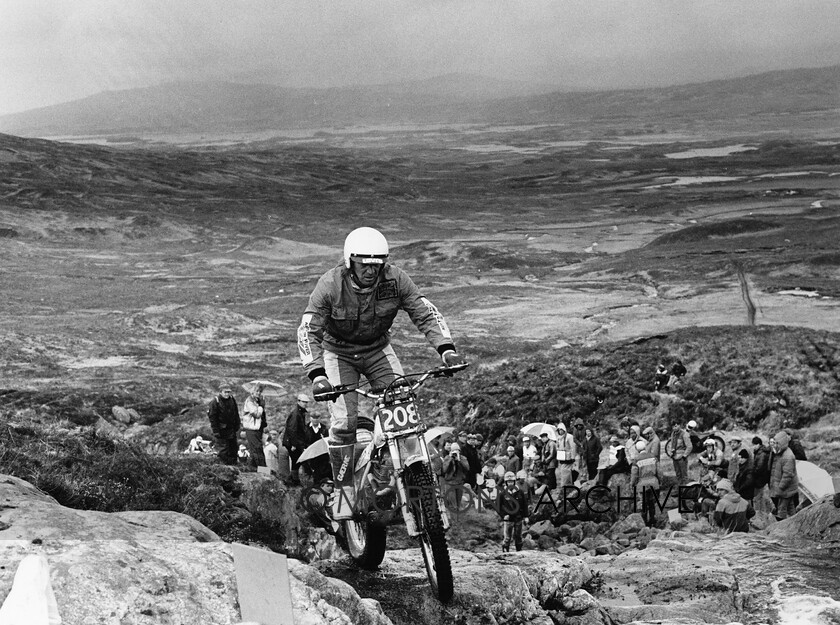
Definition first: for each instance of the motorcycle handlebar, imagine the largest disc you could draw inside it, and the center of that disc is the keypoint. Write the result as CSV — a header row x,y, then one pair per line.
x,y
437,372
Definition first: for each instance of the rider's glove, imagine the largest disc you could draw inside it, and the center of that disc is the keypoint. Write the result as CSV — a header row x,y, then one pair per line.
x,y
451,358
322,389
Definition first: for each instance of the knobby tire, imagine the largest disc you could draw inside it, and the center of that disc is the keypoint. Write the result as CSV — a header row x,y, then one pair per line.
x,y
365,542
424,504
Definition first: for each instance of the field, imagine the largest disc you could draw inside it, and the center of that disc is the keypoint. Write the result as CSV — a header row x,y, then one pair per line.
x,y
141,272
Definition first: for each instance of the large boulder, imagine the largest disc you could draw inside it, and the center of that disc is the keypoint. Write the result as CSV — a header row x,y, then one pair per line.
x,y
671,580
149,567
819,521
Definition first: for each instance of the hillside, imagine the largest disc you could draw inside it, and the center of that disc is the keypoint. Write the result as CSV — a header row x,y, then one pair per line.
x,y
454,99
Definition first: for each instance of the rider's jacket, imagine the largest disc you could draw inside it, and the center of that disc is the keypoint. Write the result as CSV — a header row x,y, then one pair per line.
x,y
347,320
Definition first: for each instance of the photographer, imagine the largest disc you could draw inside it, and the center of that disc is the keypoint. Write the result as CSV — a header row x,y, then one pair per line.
x,y
455,471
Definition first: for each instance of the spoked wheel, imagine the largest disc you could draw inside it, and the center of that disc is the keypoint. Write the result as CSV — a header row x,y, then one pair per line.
x,y
365,542
422,497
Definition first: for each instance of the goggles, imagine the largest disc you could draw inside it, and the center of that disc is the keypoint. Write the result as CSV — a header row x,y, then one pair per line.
x,y
369,260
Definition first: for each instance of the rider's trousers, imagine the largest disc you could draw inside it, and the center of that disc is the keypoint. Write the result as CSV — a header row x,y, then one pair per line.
x,y
380,366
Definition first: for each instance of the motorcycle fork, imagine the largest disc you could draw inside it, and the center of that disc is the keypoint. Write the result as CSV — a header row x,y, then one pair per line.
x,y
408,515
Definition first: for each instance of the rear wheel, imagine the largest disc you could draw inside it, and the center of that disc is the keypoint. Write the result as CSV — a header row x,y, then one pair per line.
x,y
422,496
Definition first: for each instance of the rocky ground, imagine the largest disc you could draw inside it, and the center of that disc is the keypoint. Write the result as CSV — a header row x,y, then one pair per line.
x,y
135,279
158,567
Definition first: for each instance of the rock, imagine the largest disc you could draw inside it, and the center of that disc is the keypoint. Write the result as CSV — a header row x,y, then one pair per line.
x,y
669,584
579,602
149,567
543,527
106,429
121,414
134,416
575,534
508,588
819,521
528,543
546,543
631,524
567,550
589,528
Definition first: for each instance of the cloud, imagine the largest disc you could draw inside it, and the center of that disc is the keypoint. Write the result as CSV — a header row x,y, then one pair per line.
x,y
54,50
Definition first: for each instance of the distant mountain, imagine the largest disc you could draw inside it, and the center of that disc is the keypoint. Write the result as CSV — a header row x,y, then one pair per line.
x,y
455,98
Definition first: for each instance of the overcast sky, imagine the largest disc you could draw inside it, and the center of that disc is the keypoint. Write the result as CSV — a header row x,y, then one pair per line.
x,y
58,50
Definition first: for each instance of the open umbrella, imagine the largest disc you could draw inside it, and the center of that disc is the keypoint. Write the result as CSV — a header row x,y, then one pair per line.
x,y
814,482
270,389
535,429
436,432
316,449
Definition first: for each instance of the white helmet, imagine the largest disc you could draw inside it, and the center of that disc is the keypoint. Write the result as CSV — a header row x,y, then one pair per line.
x,y
510,475
367,243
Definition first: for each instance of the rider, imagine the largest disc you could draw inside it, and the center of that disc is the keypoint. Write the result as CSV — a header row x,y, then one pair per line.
x,y
344,334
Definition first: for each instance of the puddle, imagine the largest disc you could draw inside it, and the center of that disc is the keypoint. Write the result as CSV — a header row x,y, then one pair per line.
x,y
687,180
91,363
710,152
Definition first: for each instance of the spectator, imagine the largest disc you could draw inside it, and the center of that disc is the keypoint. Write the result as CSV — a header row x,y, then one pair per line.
x,y
254,423
549,460
579,434
198,446
512,461
455,469
470,451
708,495
243,456
566,457
784,482
732,461
761,476
319,505
644,475
795,445
293,437
530,454
272,461
744,483
696,441
712,457
654,445
318,467
224,421
678,369
512,507
617,462
679,447
517,447
591,453
660,378
732,512
630,444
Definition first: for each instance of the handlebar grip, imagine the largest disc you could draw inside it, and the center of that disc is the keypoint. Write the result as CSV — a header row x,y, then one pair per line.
x,y
326,396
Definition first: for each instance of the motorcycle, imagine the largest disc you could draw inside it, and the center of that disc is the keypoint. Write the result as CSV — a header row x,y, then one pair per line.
x,y
393,472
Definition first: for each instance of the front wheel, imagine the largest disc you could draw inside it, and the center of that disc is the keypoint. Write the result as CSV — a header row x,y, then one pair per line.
x,y
422,495
365,542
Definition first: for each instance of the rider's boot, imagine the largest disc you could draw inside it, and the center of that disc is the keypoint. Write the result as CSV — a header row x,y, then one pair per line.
x,y
344,500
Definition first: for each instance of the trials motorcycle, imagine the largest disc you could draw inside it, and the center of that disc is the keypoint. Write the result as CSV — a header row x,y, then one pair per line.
x,y
393,473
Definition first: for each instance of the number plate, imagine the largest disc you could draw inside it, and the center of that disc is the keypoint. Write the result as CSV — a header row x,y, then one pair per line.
x,y
398,417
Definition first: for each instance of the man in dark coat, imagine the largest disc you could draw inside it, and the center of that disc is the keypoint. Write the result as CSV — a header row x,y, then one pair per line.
x,y
294,437
224,421
471,454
